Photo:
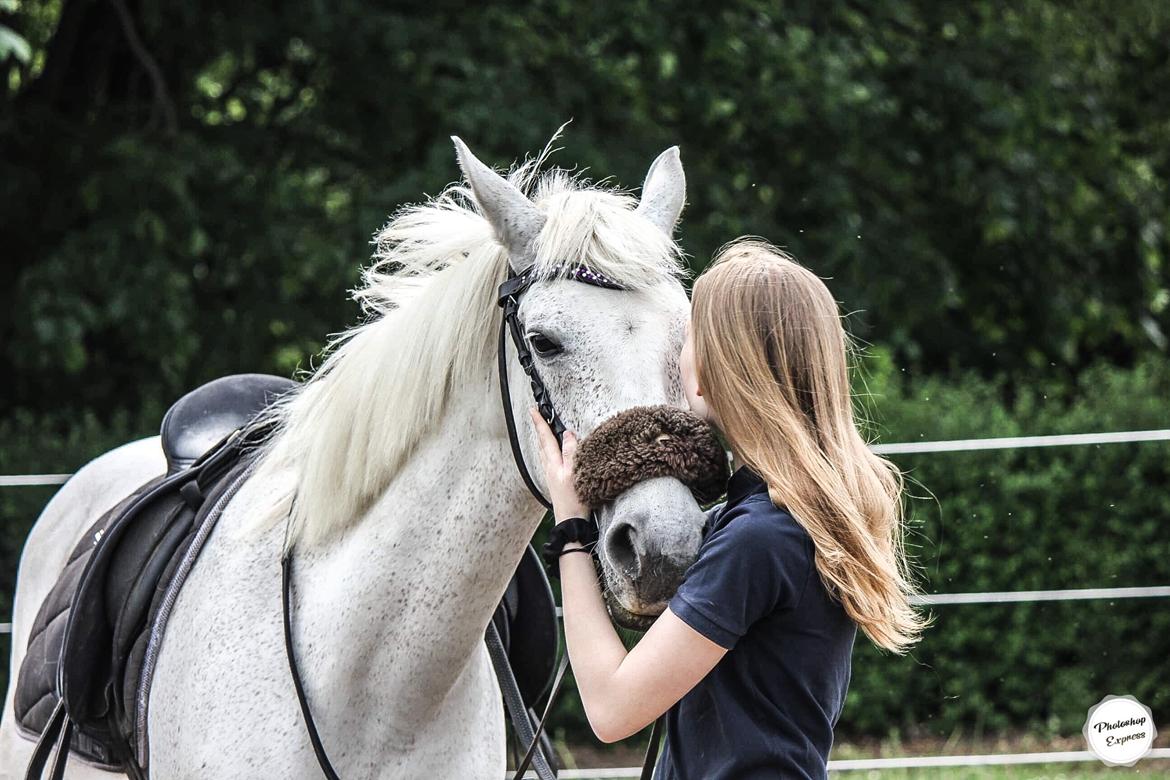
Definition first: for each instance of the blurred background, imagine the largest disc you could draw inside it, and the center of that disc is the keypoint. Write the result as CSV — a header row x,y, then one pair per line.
x,y
189,189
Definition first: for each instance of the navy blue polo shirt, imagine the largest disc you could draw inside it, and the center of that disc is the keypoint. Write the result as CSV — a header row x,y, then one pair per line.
x,y
768,708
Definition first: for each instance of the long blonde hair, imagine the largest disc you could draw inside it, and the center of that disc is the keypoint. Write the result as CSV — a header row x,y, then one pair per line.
x,y
771,356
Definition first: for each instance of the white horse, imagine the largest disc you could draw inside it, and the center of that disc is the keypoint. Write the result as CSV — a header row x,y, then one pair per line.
x,y
410,515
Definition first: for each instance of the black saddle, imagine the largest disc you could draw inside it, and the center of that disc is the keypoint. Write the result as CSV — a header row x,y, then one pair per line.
x,y
85,679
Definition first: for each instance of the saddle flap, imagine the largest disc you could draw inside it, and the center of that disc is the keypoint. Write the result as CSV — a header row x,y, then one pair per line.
x,y
88,656
533,633
48,669
134,580
87,649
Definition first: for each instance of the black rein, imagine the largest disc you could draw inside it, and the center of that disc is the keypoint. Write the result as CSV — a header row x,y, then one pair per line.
x,y
509,300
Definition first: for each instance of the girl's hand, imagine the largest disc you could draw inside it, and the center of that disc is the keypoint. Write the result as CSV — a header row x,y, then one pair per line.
x,y
558,469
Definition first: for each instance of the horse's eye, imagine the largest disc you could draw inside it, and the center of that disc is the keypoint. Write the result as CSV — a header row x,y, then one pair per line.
x,y
543,345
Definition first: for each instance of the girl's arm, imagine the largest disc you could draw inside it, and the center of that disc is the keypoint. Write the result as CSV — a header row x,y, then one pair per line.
x,y
622,691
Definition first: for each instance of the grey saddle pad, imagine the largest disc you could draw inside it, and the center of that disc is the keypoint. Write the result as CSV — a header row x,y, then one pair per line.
x,y
92,646
93,642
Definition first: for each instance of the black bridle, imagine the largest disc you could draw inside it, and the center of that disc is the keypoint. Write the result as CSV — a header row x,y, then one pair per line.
x,y
508,298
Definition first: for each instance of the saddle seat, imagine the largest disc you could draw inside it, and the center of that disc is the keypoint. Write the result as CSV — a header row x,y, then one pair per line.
x,y
210,412
87,671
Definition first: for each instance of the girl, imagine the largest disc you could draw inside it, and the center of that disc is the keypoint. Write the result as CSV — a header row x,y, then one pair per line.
x,y
752,656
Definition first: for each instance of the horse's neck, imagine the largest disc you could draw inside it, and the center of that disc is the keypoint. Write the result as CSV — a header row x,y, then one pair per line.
x,y
394,610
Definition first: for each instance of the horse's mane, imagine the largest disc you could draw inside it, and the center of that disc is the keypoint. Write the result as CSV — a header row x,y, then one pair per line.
x,y
430,329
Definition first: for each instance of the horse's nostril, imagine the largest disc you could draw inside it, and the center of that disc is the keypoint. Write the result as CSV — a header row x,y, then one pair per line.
x,y
620,544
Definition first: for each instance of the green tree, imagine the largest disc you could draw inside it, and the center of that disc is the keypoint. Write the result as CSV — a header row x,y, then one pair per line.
x,y
985,185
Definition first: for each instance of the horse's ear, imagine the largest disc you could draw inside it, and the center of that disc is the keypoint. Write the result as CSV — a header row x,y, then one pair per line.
x,y
514,218
664,191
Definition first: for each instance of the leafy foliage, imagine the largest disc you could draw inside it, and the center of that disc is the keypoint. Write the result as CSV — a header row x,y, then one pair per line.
x,y
987,186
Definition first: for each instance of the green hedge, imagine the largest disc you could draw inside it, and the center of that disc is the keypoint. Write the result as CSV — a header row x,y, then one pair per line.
x,y
1066,517
1061,517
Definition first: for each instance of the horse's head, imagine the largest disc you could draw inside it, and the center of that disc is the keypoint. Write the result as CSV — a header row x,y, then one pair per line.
x,y
600,351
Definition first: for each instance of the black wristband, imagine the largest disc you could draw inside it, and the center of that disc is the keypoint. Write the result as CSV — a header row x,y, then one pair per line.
x,y
575,529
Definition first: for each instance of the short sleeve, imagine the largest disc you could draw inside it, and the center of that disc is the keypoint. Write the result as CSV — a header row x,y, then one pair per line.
x,y
751,565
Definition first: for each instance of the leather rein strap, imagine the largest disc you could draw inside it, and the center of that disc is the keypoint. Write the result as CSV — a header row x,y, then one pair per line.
x,y
310,724
509,300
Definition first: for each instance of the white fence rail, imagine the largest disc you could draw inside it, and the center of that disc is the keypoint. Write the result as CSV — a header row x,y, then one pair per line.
x,y
897,448
1020,596
1022,442
32,480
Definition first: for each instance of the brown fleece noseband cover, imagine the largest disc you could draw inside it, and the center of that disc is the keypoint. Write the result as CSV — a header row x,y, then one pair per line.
x,y
646,442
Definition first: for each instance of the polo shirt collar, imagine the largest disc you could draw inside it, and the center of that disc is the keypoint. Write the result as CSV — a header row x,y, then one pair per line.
x,y
743,483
